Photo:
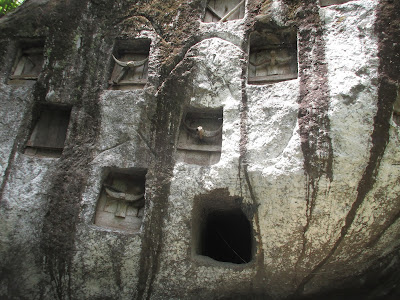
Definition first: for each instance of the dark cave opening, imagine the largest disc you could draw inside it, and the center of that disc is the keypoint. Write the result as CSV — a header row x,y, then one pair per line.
x,y
226,237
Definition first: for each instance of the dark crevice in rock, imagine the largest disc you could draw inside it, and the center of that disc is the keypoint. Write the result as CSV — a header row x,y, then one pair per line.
x,y
166,122
69,175
16,147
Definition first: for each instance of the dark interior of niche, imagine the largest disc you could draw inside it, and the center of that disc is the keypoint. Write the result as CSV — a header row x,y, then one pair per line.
x,y
222,231
49,130
226,237
28,61
272,55
132,77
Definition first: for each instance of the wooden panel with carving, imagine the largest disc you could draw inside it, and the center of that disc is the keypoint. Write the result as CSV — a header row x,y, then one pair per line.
x,y
200,137
272,56
121,202
131,64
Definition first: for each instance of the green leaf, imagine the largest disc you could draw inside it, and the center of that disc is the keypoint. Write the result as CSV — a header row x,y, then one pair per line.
x,y
8,5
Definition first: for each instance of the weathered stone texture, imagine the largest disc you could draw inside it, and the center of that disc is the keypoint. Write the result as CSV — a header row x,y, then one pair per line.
x,y
312,162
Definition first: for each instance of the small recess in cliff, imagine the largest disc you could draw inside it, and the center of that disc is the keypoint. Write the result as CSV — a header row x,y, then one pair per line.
x,y
131,59
121,201
50,130
272,56
29,61
200,136
221,230
224,10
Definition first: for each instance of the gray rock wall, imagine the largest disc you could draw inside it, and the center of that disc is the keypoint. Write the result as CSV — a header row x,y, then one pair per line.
x,y
312,163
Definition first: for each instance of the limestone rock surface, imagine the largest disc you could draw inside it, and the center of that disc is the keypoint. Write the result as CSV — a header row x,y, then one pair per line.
x,y
310,161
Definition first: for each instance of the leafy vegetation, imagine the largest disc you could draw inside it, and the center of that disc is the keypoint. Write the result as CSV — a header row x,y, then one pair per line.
x,y
8,5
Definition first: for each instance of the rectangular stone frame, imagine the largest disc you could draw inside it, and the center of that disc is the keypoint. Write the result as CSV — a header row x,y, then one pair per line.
x,y
117,206
272,56
49,132
191,147
127,78
224,10
29,60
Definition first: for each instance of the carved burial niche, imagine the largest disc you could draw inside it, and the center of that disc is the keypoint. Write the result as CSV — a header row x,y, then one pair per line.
x,y
221,230
29,61
130,64
224,10
49,131
200,136
272,56
331,2
121,201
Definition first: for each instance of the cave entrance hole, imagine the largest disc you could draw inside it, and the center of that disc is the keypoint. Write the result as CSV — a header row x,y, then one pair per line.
x,y
226,236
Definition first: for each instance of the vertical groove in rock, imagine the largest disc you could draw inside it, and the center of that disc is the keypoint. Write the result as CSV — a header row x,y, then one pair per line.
x,y
166,123
152,237
68,178
16,146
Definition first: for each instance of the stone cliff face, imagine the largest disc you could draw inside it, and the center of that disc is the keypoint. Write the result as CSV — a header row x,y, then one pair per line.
x,y
266,146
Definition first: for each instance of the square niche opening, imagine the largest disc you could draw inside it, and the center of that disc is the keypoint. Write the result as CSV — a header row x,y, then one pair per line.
x,y
222,232
224,10
331,2
131,59
200,137
121,201
29,61
272,56
49,131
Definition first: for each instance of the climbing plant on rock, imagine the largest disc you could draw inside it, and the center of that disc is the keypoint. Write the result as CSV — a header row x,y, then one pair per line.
x,y
8,5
